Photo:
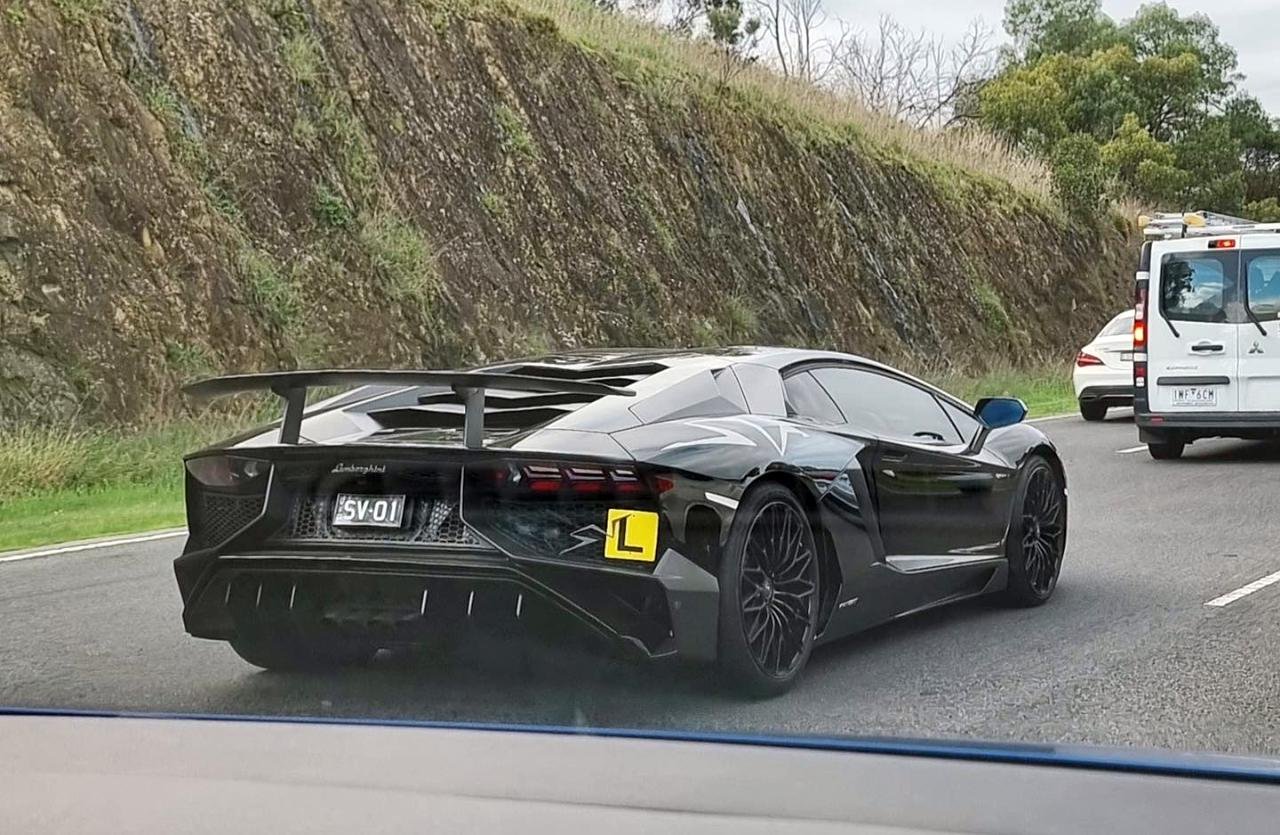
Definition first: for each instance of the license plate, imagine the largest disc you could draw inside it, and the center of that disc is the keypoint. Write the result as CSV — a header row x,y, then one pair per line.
x,y
354,510
1195,396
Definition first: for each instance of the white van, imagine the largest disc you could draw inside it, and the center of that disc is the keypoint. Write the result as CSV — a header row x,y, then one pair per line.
x,y
1206,335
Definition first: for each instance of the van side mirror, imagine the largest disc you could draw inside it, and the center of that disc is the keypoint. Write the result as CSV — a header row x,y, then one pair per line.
x,y
996,412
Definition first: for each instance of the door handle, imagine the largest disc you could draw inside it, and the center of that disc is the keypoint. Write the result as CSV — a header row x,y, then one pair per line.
x,y
1208,347
926,434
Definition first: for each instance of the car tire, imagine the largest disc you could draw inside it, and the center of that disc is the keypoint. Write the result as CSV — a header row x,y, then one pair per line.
x,y
1037,536
1092,411
768,596
272,651
1165,450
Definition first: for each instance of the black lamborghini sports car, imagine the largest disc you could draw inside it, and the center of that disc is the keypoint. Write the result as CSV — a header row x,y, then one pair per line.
x,y
734,506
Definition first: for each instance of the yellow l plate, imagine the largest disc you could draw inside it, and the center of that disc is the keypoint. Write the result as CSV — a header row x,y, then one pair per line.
x,y
631,535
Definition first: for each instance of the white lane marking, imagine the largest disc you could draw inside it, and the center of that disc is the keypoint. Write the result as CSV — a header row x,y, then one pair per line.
x,y
1050,417
1139,448
89,546
1244,591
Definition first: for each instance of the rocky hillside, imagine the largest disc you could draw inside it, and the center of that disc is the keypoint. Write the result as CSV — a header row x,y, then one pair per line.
x,y
190,186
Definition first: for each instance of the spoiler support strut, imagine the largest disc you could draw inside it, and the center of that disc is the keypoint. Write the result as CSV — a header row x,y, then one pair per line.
x,y
291,386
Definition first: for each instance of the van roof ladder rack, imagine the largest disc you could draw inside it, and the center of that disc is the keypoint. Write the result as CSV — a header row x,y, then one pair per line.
x,y
1165,225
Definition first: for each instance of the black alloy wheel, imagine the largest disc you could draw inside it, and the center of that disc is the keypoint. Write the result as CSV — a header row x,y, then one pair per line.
x,y
1037,537
769,593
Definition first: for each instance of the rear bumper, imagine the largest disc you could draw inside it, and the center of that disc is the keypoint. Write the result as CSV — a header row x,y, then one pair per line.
x,y
1100,377
1111,395
397,599
1175,425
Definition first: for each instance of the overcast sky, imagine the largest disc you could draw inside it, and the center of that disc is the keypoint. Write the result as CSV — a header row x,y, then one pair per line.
x,y
1248,25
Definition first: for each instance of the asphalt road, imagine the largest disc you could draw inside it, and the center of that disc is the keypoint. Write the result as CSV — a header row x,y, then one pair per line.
x,y
1127,652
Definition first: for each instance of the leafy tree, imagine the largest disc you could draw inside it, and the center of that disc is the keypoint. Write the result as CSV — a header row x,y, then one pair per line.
x,y
1156,30
733,33
1051,27
1141,163
1155,95
1264,211
1079,178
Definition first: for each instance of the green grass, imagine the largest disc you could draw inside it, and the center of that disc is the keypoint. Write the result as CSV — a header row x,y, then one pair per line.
x,y
269,290
63,516
355,153
15,13
516,139
495,204
59,485
300,55
79,12
330,208
403,256
993,312
1046,390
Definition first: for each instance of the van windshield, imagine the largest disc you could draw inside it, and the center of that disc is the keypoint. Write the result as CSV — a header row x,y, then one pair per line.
x,y
1195,287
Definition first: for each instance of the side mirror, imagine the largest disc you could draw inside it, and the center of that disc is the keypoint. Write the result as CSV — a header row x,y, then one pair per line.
x,y
996,412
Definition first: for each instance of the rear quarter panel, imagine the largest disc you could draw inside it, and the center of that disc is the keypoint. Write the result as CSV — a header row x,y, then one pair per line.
x,y
716,461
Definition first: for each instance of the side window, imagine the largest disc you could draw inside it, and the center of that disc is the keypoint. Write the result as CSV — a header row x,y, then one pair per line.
x,y
807,399
964,421
882,405
1262,274
1194,287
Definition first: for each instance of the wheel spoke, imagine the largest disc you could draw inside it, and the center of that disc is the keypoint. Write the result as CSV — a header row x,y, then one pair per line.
x,y
796,570
777,585
805,589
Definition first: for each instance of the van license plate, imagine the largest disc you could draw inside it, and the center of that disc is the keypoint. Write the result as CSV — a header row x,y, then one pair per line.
x,y
351,510
1195,396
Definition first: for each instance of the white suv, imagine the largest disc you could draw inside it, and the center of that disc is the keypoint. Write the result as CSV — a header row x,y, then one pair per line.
x,y
1103,375
1206,338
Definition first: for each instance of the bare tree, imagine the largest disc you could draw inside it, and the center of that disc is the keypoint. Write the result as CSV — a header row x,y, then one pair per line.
x,y
792,28
914,76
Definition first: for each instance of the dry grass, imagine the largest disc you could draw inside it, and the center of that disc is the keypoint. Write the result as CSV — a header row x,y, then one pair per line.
x,y
662,53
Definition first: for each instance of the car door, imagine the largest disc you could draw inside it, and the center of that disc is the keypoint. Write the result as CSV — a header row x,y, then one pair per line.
x,y
938,501
1193,338
1258,368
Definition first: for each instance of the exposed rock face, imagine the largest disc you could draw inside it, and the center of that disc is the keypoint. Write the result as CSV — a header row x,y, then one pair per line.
x,y
190,186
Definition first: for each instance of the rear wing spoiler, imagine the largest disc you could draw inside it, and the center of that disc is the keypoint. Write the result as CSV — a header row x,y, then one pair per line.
x,y
292,387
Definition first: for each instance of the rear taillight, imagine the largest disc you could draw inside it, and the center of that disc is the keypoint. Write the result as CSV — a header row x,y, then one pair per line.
x,y
1140,318
225,471
575,480
1140,335
1083,359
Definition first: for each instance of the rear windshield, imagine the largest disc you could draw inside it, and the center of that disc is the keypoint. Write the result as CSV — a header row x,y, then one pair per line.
x,y
1122,324
1196,286
1262,274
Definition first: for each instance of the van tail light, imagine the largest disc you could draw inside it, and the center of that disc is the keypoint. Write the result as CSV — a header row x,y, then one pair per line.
x,y
1140,317
1083,360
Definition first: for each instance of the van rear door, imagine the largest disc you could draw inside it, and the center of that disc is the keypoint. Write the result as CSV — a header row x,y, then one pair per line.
x,y
1259,363
1192,335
